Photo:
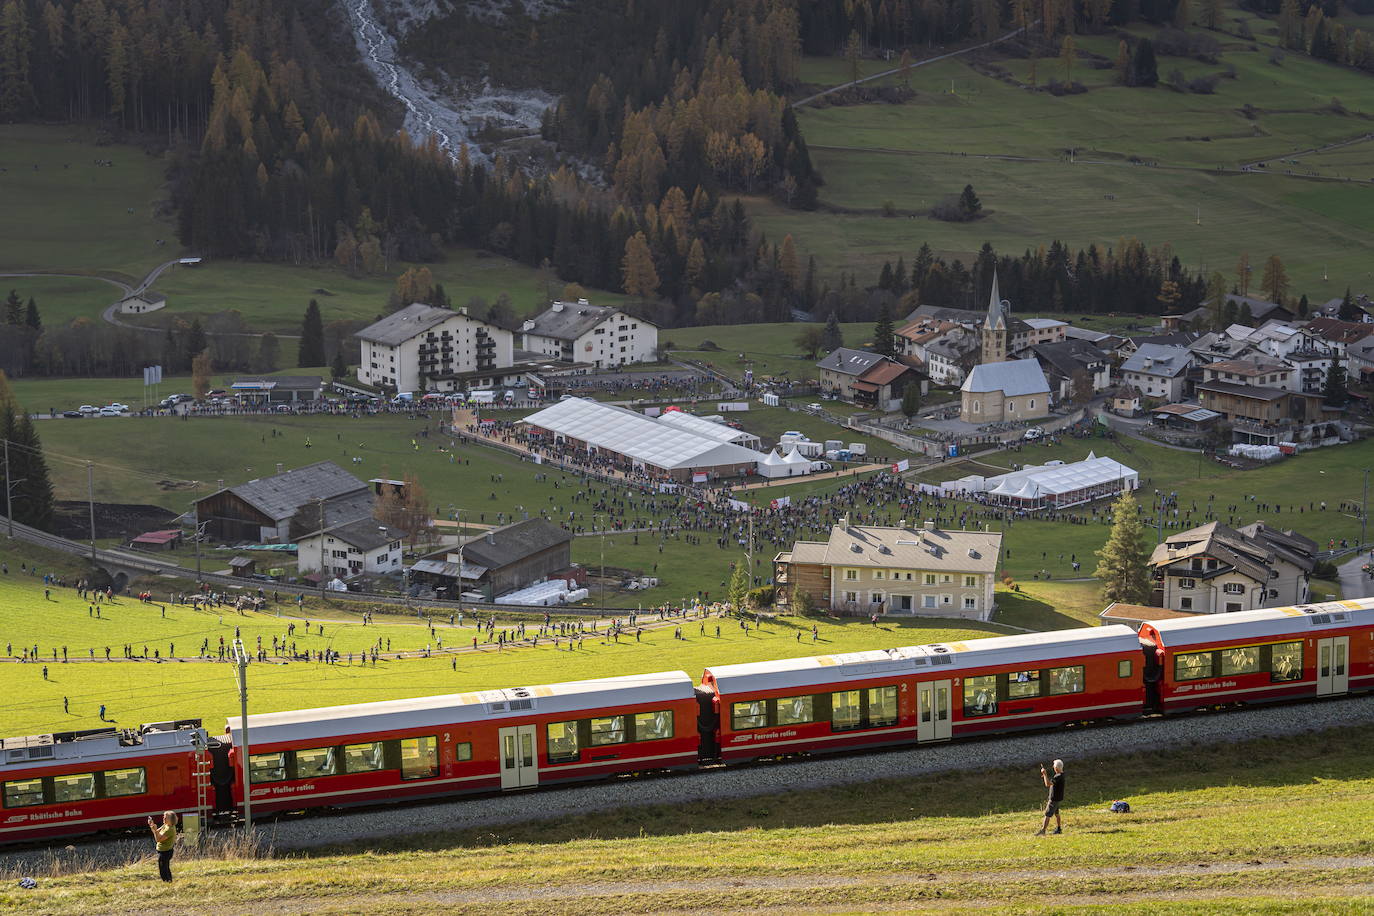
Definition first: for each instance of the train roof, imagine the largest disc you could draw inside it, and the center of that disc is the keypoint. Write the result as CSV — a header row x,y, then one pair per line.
x,y
101,744
993,651
454,708
1279,621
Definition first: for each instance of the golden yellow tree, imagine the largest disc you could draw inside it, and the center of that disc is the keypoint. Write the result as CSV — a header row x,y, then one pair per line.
x,y
637,268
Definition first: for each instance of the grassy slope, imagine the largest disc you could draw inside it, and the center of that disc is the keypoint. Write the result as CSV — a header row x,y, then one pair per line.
x,y
77,218
1316,228
147,691
1268,826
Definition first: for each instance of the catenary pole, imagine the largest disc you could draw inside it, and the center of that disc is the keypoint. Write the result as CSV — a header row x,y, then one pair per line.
x,y
241,675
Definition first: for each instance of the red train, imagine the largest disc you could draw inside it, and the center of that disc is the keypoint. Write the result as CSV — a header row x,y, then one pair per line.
x,y
365,754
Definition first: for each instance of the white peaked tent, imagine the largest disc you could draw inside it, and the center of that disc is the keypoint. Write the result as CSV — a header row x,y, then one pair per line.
x,y
797,463
1051,485
773,465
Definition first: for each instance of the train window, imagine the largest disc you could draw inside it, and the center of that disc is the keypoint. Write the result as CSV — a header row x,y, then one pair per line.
x,y
796,710
651,726
845,711
562,741
608,730
419,758
267,767
73,787
462,751
1066,680
1023,684
1242,660
1192,665
316,761
363,758
133,781
1285,661
23,793
882,706
749,714
1123,668
980,695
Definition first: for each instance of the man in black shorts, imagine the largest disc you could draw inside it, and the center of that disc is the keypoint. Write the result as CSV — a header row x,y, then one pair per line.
x,y
1055,784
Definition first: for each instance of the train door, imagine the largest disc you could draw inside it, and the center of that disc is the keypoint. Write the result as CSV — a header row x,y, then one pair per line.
x,y
932,711
1333,669
518,768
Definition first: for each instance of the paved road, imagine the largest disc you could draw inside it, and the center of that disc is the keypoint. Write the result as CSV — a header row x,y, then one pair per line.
x,y
914,64
1354,583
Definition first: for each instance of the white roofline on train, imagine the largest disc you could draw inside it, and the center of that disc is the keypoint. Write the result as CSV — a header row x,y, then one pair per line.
x,y
1207,628
994,651
456,708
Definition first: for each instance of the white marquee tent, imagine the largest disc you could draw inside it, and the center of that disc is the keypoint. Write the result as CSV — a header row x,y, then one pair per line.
x,y
1049,485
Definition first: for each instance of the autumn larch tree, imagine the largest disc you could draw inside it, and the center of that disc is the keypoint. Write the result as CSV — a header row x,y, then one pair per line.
x,y
200,374
1274,283
639,275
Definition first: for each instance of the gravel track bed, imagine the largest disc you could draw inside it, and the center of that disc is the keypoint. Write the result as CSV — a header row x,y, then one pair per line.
x,y
1072,744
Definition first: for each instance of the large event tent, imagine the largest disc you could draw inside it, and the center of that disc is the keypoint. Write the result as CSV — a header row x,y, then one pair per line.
x,y
640,441
708,429
1054,485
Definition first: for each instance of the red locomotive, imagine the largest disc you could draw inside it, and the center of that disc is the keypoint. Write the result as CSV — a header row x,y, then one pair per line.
x,y
369,753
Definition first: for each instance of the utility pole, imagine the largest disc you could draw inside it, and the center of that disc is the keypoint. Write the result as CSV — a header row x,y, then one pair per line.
x,y
241,675
90,500
1365,508
9,490
602,526
319,503
460,567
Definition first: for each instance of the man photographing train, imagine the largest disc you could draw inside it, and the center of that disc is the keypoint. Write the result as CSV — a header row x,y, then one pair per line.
x,y
1055,784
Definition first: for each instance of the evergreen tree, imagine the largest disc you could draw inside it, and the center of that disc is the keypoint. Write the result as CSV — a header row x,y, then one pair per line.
x,y
1334,393
884,338
1246,317
195,341
267,353
32,494
1121,562
739,584
834,338
311,350
1144,70
1348,311
14,309
1303,306
911,400
969,204
340,367
31,318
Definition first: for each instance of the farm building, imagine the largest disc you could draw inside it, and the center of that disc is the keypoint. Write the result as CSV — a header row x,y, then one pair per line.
x,y
502,560
158,540
1048,486
658,449
262,510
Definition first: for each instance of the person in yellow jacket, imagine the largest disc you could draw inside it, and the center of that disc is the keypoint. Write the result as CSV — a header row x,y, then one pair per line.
x,y
165,835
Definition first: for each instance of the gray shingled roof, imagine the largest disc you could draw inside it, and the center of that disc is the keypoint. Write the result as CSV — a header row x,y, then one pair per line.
x,y
282,495
1015,378
850,362
1158,359
403,324
570,320
365,534
513,543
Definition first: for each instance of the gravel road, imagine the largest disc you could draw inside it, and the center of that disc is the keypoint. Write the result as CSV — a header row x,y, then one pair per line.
x,y
746,781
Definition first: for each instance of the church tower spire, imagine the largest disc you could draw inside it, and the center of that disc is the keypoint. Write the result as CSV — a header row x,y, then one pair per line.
x,y
994,331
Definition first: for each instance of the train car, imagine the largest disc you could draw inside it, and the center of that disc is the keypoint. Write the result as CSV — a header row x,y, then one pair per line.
x,y
470,742
924,693
73,783
1256,656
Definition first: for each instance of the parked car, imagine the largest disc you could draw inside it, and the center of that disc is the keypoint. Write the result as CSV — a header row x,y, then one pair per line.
x,y
1033,433
814,407
110,412
87,410
73,414
118,406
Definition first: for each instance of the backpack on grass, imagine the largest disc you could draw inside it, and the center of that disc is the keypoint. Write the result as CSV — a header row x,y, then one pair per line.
x,y
1120,807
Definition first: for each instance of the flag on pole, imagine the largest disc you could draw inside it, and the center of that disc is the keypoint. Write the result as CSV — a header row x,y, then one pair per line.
x,y
901,466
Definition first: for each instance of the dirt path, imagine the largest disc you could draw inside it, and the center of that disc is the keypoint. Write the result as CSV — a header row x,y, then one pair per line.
x,y
933,885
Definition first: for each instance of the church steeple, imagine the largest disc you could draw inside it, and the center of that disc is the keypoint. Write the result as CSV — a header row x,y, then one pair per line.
x,y
994,332
996,317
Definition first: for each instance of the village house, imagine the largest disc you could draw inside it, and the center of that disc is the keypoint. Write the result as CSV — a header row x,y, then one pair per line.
x,y
1159,371
360,547
1216,569
597,335
907,569
868,379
